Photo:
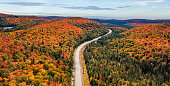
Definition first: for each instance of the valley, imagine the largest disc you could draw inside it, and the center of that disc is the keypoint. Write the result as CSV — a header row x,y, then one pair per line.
x,y
45,51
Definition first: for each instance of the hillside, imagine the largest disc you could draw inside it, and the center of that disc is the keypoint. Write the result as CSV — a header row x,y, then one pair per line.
x,y
20,22
120,22
139,56
42,54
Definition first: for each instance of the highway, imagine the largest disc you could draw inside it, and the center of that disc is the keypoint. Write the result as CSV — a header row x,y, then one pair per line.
x,y
78,73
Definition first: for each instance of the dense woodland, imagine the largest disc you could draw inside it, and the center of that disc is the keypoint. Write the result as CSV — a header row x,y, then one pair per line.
x,y
39,51
136,57
20,22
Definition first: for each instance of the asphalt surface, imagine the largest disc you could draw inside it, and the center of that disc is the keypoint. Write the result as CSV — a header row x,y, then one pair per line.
x,y
78,75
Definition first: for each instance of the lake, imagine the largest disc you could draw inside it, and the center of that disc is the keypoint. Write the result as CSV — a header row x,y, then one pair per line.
x,y
7,27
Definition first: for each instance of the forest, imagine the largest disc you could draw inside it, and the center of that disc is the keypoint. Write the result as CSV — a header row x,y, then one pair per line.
x,y
39,51
134,57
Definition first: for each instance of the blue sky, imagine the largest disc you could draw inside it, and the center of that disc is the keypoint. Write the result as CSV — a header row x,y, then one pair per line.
x,y
116,9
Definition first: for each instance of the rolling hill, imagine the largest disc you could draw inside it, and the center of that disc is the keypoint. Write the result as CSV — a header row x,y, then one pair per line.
x,y
42,54
135,57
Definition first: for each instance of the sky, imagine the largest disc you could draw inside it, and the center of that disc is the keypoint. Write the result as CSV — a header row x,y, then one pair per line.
x,y
105,9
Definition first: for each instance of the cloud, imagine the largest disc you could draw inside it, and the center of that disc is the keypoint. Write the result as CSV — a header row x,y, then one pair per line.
x,y
30,13
89,8
147,2
124,7
167,7
25,3
58,5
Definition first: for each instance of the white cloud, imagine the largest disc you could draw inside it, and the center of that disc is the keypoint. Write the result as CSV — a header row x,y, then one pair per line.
x,y
167,7
30,13
147,2
13,11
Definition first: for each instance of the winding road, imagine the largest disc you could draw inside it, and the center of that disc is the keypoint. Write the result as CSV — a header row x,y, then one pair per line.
x,y
78,75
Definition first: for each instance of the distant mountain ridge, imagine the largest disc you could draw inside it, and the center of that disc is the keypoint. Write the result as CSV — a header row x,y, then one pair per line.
x,y
114,21
111,21
52,17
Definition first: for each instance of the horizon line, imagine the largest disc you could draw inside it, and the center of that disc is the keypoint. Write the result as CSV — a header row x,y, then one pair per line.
x,y
88,17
